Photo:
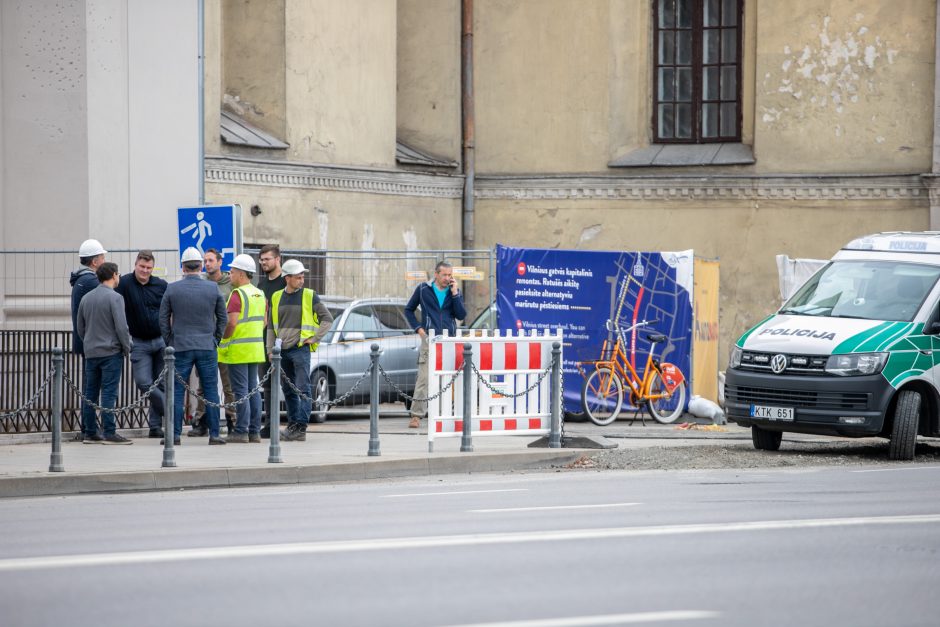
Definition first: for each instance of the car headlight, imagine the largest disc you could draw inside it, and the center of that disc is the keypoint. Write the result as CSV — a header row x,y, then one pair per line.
x,y
856,364
734,360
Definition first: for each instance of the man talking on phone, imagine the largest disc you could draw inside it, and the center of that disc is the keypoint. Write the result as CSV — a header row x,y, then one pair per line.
x,y
441,305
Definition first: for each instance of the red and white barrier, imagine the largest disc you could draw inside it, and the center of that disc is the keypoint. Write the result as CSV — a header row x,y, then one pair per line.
x,y
510,363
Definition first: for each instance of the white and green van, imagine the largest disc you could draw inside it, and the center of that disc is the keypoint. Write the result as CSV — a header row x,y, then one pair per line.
x,y
855,352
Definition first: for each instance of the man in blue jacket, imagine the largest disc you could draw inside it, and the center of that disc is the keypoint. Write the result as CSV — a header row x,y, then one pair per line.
x,y
441,305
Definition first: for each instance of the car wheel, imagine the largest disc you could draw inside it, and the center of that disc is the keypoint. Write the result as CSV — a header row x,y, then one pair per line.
x,y
320,382
765,439
904,430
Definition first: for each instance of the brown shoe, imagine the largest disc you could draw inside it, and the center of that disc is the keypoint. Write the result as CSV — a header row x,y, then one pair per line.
x,y
415,422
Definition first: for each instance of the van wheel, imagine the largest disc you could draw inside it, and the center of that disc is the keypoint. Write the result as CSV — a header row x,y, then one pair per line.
x,y
765,439
904,430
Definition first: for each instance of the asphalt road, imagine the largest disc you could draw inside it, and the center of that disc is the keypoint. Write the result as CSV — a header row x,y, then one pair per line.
x,y
819,546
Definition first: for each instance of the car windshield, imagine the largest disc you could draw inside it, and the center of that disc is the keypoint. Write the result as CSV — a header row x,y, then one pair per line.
x,y
870,290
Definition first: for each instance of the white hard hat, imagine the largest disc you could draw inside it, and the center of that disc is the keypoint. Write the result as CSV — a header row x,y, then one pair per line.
x,y
91,248
191,254
292,266
244,262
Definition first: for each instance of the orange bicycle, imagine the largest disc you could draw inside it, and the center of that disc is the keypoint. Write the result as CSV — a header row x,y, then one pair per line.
x,y
661,389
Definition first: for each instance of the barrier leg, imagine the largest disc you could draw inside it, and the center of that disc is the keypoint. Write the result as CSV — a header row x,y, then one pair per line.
x,y
169,426
55,459
466,440
374,404
554,437
274,409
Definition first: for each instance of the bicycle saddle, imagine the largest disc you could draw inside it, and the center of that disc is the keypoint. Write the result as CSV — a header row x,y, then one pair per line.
x,y
656,338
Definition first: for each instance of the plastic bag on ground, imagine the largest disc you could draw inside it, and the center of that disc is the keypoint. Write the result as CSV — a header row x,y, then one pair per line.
x,y
704,408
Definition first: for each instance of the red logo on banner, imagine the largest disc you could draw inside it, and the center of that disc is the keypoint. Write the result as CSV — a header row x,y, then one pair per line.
x,y
518,324
521,268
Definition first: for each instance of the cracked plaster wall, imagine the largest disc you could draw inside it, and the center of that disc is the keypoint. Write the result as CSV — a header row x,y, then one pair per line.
x,y
845,86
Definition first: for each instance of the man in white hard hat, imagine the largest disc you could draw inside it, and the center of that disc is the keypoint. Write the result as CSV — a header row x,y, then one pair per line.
x,y
192,319
300,321
83,280
242,347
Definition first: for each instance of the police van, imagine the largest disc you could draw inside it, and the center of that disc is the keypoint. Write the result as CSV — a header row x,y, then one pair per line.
x,y
854,352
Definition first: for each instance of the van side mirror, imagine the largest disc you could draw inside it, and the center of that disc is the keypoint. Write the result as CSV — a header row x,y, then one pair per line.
x,y
933,328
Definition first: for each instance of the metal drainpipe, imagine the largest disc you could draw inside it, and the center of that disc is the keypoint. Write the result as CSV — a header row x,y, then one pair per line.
x,y
202,100
466,76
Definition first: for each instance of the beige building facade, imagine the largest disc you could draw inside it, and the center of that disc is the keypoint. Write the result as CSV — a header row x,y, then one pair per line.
x,y
737,128
832,127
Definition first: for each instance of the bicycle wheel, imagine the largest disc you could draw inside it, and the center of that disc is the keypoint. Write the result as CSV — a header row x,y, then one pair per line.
x,y
667,407
602,396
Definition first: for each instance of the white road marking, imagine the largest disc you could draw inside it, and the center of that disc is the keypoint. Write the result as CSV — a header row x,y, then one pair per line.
x,y
608,619
551,507
897,469
455,493
386,544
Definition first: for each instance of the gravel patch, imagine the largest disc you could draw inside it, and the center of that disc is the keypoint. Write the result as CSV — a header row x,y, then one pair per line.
x,y
737,454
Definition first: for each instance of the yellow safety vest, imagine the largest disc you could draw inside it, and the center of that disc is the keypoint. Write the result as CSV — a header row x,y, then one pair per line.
x,y
246,346
309,321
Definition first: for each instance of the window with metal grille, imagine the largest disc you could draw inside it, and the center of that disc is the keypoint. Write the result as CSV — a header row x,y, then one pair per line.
x,y
697,77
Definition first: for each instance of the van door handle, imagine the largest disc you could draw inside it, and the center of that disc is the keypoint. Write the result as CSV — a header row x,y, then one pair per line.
x,y
924,352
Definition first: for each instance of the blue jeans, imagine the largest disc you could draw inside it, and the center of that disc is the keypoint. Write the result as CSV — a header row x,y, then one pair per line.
x,y
207,367
147,363
296,364
244,377
102,377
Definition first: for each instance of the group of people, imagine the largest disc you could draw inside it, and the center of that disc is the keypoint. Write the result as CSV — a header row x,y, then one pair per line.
x,y
218,323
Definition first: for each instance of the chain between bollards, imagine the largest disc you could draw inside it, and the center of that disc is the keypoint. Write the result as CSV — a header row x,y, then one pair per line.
x,y
554,436
274,409
466,441
374,403
55,459
169,424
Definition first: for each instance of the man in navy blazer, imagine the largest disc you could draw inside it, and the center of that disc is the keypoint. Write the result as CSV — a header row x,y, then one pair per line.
x,y
441,305
192,320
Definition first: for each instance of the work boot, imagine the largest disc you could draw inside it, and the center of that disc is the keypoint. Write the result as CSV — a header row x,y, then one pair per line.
x,y
265,431
215,441
295,432
237,438
199,430
415,422
254,438
156,433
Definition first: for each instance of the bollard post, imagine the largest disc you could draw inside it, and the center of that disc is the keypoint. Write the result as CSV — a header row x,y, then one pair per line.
x,y
554,437
55,459
374,404
274,409
169,424
466,441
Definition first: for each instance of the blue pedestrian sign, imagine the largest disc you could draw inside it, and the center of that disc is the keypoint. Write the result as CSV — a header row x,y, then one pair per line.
x,y
212,226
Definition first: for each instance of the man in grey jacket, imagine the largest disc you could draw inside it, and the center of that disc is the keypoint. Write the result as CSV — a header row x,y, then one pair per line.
x,y
102,327
192,320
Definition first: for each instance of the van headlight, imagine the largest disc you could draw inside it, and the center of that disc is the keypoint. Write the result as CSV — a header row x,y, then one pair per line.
x,y
856,364
734,360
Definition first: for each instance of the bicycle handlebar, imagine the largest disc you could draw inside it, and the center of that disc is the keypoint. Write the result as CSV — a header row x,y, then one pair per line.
x,y
612,326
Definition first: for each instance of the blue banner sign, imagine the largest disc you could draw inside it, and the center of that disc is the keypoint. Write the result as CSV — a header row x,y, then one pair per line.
x,y
579,291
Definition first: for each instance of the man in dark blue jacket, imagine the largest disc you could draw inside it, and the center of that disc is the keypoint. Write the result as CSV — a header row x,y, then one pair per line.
x,y
441,305
83,280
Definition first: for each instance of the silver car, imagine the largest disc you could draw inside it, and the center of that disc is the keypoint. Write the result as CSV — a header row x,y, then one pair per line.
x,y
343,355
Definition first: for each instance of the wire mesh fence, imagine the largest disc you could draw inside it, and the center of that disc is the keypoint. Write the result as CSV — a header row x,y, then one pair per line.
x,y
35,316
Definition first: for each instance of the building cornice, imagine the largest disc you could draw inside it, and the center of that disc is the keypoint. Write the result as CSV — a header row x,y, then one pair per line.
x,y
243,171
658,187
716,187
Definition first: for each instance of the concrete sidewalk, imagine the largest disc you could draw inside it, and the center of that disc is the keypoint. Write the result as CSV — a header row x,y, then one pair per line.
x,y
334,451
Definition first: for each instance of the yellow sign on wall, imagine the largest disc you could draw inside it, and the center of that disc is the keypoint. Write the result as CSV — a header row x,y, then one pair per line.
x,y
468,273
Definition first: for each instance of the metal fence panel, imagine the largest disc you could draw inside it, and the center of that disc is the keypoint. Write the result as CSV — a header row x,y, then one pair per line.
x,y
35,312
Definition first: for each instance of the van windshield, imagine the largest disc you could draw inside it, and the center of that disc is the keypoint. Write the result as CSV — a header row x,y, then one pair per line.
x,y
871,290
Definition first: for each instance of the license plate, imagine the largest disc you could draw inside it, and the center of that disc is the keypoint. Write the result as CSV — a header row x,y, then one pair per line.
x,y
772,413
